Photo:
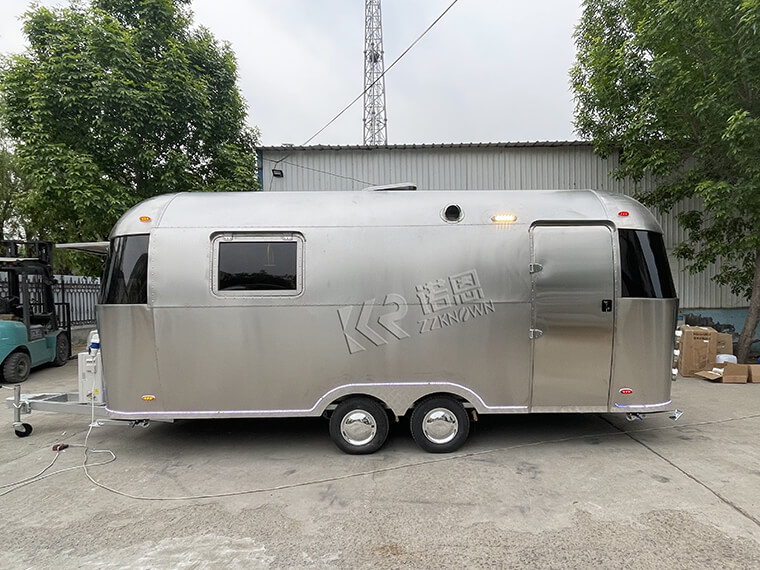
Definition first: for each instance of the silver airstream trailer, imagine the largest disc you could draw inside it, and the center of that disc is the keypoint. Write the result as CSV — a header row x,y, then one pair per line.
x,y
368,306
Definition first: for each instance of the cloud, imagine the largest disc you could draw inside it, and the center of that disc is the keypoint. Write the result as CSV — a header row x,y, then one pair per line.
x,y
490,70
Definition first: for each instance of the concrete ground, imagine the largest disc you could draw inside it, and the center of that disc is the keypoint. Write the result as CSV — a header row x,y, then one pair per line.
x,y
552,491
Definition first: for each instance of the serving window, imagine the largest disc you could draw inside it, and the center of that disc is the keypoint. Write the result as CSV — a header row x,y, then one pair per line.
x,y
252,265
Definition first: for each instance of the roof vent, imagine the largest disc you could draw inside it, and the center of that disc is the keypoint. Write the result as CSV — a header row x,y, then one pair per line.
x,y
399,186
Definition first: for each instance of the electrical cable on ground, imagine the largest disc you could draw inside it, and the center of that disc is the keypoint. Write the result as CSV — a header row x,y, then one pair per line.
x,y
29,479
373,472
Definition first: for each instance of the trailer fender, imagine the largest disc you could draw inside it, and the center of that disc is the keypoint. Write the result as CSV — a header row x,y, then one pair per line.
x,y
399,397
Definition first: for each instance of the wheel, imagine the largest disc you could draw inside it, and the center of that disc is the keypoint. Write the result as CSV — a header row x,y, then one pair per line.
x,y
440,424
62,350
24,430
16,367
359,426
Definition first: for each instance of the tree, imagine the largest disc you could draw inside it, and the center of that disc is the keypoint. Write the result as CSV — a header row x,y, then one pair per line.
x,y
674,87
12,188
117,101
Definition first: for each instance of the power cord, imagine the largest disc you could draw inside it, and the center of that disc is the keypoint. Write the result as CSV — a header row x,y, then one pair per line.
x,y
58,448
323,480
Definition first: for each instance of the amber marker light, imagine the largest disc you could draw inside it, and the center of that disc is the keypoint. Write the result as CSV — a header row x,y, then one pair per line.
x,y
504,218
144,218
148,398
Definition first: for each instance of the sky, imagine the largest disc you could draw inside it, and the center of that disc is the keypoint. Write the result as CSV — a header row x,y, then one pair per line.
x,y
489,71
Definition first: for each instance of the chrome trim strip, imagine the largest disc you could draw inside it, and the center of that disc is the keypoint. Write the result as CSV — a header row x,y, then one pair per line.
x,y
316,405
644,406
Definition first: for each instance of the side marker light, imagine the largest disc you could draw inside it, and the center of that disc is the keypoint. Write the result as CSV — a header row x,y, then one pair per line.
x,y
148,397
623,214
144,218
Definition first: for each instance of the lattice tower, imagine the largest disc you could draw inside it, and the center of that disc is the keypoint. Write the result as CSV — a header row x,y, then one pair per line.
x,y
375,122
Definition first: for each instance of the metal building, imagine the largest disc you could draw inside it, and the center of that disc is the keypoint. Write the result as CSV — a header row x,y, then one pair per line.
x,y
496,166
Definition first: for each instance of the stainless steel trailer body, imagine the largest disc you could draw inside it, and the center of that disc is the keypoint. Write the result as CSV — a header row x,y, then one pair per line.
x,y
297,304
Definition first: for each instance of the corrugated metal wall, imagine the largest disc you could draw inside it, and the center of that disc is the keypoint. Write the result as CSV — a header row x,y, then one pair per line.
x,y
527,166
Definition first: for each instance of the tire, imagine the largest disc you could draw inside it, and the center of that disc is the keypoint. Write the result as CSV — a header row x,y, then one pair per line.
x,y
17,367
440,424
24,430
359,426
62,350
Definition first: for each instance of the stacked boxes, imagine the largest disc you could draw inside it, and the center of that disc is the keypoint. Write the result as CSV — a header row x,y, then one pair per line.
x,y
698,348
725,343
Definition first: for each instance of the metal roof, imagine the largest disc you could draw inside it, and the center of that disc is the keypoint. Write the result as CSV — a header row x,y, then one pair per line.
x,y
385,206
518,144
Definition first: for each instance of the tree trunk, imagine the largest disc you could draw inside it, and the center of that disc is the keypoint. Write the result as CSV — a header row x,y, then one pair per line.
x,y
753,316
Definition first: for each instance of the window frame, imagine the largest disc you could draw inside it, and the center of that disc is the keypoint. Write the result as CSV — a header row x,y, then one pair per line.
x,y
106,282
273,237
658,288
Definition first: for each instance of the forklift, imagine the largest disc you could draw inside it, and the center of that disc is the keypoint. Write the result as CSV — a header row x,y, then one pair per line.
x,y
32,332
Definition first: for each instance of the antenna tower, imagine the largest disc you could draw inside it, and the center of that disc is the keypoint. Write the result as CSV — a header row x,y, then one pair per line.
x,y
375,122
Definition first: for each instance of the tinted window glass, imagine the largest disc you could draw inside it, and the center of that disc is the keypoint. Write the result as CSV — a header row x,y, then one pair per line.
x,y
126,276
644,265
257,266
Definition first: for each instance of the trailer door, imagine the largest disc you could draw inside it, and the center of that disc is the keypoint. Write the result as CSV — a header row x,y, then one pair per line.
x,y
573,298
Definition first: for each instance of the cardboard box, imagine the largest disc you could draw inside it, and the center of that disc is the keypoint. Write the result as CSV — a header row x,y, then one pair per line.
x,y
727,373
725,343
754,373
735,373
698,348
713,375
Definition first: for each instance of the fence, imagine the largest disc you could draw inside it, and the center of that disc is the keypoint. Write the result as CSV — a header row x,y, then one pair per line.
x,y
81,293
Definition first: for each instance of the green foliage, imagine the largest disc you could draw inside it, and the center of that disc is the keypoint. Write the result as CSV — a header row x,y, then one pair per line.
x,y
12,187
118,101
674,86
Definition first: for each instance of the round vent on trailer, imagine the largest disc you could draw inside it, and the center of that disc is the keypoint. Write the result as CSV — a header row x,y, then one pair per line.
x,y
452,213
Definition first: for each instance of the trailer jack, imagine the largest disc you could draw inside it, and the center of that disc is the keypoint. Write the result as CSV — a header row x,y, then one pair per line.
x,y
20,407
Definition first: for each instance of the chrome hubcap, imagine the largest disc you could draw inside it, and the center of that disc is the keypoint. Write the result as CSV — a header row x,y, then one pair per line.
x,y
358,427
440,425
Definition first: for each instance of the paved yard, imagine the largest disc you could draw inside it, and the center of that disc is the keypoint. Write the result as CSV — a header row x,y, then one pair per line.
x,y
553,491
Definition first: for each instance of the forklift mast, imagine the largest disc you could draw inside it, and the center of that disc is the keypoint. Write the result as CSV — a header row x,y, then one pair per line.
x,y
21,259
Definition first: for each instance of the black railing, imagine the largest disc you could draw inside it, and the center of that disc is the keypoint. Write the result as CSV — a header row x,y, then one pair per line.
x,y
79,293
